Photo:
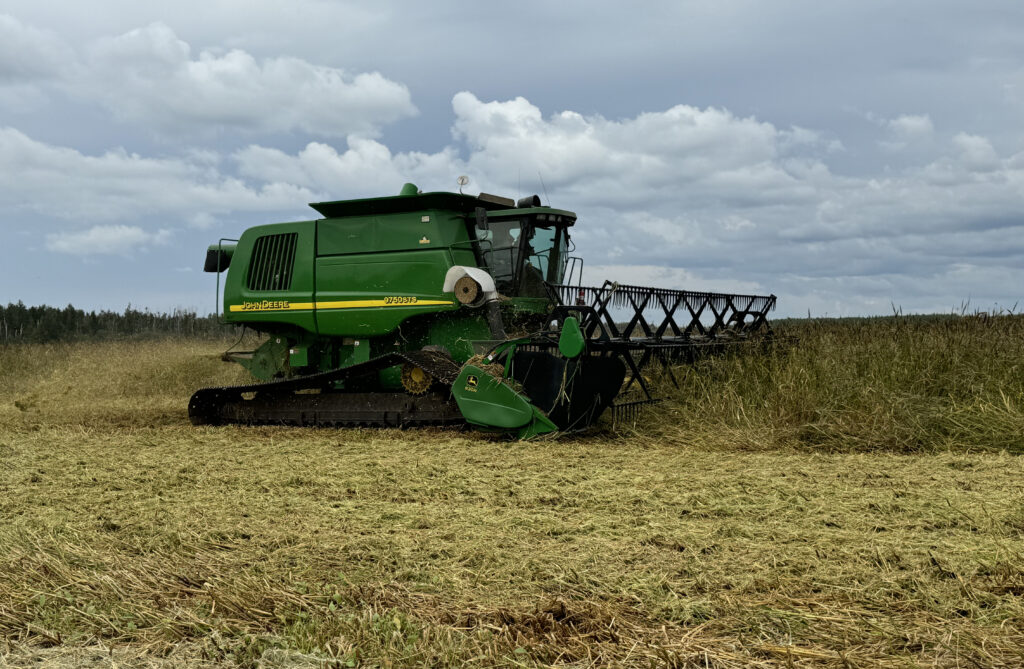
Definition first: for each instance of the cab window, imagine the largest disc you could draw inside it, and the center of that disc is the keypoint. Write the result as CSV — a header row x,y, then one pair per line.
x,y
501,251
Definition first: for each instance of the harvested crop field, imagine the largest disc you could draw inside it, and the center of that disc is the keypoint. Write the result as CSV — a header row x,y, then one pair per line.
x,y
854,500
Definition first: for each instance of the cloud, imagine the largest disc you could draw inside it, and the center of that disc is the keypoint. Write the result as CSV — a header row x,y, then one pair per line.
x,y
28,54
717,200
202,220
659,275
116,185
149,75
685,197
906,130
655,165
976,153
747,166
910,125
367,168
615,163
124,240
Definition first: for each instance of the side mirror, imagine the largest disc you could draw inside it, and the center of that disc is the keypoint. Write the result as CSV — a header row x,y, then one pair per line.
x,y
218,257
481,219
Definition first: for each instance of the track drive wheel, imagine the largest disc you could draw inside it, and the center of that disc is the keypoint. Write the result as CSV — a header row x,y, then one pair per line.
x,y
416,380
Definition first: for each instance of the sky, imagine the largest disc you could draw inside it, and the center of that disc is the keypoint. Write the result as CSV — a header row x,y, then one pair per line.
x,y
850,157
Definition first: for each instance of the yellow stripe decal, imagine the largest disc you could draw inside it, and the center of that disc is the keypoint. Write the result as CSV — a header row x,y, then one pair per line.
x,y
386,302
284,305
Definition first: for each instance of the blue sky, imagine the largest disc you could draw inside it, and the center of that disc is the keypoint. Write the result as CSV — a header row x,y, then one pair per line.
x,y
846,156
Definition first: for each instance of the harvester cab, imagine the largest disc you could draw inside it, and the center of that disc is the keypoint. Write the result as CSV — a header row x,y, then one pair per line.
x,y
524,249
444,308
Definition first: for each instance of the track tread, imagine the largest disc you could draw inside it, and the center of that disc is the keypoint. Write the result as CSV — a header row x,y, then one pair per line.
x,y
279,402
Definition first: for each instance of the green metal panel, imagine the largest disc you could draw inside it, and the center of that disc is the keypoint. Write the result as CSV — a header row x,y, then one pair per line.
x,y
298,356
421,229
353,352
571,342
457,331
370,294
488,402
272,310
463,256
267,361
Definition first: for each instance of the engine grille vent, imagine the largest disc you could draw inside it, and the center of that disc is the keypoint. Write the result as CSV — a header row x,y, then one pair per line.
x,y
273,259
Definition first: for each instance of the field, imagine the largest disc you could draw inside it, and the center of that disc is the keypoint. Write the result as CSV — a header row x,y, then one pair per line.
x,y
853,499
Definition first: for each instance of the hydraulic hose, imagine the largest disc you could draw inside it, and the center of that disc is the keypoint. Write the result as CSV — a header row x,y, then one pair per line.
x,y
494,320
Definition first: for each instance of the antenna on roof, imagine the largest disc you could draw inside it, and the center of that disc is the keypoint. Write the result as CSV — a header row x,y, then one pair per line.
x,y
462,181
544,187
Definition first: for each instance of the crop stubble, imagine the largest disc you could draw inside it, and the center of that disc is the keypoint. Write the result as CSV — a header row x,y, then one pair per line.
x,y
728,531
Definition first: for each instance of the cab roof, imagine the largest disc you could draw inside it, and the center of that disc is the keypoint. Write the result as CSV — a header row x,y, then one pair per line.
x,y
496,207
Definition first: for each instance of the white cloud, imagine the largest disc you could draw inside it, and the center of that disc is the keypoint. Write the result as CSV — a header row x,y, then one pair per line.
x,y
651,158
122,240
912,125
686,197
907,130
202,220
653,150
367,168
657,275
705,199
839,210
150,76
28,54
116,185
976,152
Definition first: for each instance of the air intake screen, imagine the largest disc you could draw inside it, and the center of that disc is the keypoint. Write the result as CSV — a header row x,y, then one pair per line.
x,y
273,258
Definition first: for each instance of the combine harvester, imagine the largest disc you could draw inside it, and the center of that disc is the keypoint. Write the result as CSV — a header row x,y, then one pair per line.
x,y
442,309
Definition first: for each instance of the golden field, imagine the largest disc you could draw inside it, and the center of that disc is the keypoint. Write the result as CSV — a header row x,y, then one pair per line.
x,y
850,498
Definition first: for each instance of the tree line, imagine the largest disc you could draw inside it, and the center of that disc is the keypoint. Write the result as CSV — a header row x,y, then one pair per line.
x,y
19,323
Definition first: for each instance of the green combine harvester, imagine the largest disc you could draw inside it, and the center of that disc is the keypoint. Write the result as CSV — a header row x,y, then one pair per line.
x,y
443,309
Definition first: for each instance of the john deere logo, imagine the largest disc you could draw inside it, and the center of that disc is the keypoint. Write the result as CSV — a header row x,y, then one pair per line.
x,y
471,382
264,305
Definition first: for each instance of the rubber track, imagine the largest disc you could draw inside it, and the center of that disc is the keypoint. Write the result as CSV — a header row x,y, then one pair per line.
x,y
311,400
